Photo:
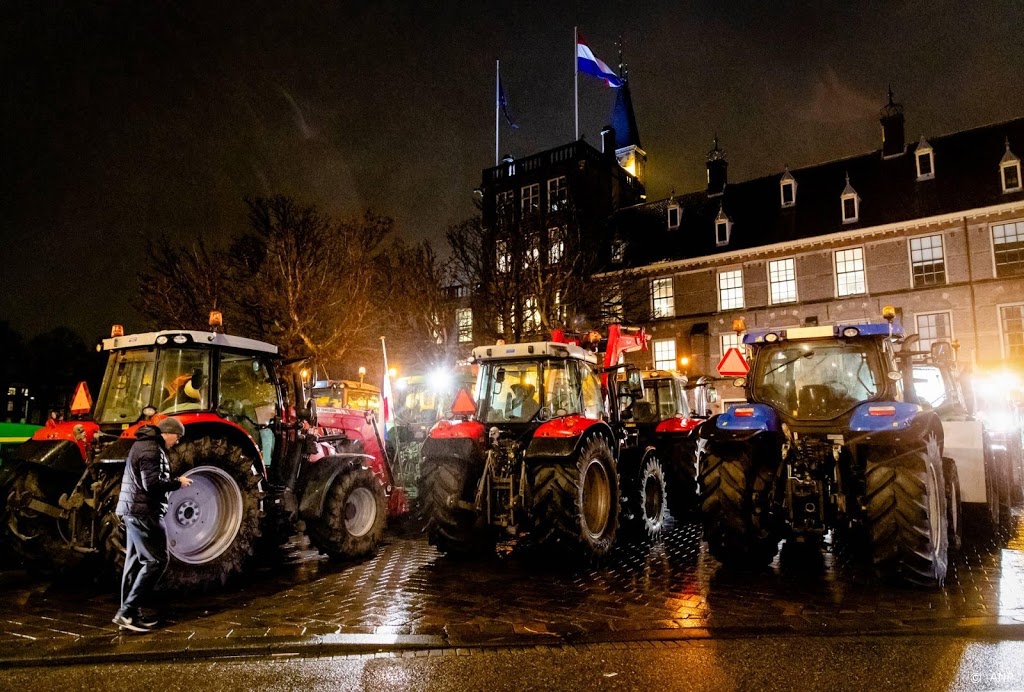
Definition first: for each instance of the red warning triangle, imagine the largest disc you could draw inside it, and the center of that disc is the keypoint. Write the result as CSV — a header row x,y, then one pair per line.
x,y
733,364
464,404
82,401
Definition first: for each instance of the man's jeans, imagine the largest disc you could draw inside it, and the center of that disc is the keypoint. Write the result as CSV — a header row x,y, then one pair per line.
x,y
145,562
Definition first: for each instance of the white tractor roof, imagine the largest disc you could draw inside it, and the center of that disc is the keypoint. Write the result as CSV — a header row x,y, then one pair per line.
x,y
536,349
186,338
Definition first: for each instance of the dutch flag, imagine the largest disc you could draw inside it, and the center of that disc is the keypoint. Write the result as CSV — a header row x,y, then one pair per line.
x,y
587,62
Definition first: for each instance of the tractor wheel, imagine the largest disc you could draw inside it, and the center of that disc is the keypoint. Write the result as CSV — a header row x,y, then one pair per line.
x,y
734,505
954,518
112,540
452,529
681,478
646,509
576,503
355,511
906,513
213,524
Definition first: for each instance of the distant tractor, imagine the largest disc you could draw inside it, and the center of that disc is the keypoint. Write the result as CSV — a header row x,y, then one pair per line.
x,y
255,461
830,442
545,453
663,418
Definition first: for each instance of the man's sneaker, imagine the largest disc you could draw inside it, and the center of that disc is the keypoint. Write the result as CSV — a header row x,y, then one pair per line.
x,y
126,623
147,620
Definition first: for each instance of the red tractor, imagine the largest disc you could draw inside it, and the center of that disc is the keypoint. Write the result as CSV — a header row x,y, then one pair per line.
x,y
664,418
251,449
545,453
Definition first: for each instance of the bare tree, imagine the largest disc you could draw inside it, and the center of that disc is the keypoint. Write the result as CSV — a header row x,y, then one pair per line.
x,y
181,285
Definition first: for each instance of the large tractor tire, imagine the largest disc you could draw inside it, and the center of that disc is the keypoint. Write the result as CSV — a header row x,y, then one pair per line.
x,y
734,506
683,495
906,513
576,503
213,524
444,482
355,512
646,509
954,515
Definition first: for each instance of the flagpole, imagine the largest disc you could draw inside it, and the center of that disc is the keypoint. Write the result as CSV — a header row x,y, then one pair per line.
x,y
576,76
497,105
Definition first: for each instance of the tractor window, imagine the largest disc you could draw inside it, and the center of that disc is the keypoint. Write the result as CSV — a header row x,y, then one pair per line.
x,y
248,397
929,386
561,396
659,402
183,377
817,380
511,391
590,383
127,386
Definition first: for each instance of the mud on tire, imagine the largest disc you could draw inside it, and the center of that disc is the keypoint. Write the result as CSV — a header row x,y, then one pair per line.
x,y
734,506
355,511
212,526
906,513
451,529
40,543
576,503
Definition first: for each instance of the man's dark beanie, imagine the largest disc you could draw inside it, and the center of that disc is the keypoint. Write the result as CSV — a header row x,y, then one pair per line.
x,y
172,426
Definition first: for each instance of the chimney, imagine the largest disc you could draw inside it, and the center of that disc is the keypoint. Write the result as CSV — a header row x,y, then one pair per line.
x,y
891,117
717,170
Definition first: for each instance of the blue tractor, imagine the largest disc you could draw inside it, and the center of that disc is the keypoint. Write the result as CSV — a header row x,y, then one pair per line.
x,y
830,443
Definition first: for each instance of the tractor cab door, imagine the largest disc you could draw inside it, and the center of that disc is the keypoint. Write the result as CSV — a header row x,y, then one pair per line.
x,y
248,393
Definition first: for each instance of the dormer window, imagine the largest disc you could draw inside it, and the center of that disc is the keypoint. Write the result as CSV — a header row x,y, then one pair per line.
x,y
723,228
674,214
925,157
787,190
1009,170
850,202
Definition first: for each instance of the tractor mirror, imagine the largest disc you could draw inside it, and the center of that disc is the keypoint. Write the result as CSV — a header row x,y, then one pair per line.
x,y
942,353
712,395
635,383
308,412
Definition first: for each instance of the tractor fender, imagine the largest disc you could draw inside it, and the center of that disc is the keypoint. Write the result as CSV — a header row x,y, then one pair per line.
x,y
907,426
728,428
214,426
469,449
565,437
320,476
61,455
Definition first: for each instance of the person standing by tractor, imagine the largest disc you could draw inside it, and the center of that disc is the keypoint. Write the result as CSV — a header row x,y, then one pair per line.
x,y
142,504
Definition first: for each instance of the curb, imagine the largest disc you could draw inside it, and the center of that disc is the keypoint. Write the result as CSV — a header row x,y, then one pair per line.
x,y
137,650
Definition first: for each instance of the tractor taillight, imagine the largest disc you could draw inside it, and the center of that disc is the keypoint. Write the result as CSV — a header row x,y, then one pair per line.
x,y
881,410
743,412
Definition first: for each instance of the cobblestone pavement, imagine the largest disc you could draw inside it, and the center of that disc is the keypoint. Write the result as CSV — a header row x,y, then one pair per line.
x,y
410,597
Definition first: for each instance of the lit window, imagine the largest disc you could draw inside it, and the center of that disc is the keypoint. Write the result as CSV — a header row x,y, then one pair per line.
x,y
850,272
664,354
531,315
558,194
556,244
723,228
502,257
925,160
674,214
559,309
505,207
730,290
529,203
787,189
1011,323
1009,170
464,318
927,261
1008,246
850,203
731,340
532,250
662,303
932,327
782,280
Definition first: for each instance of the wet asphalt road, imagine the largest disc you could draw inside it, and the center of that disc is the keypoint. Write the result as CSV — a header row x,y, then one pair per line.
x,y
409,598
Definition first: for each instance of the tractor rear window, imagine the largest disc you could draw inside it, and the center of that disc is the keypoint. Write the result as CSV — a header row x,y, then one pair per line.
x,y
816,380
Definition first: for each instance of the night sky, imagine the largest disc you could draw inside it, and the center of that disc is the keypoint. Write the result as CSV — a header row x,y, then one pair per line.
x,y
123,121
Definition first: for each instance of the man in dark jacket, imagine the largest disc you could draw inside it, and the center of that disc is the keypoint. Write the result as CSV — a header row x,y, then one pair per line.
x,y
142,504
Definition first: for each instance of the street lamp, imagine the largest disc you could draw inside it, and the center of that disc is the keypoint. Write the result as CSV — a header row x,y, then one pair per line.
x,y
362,374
